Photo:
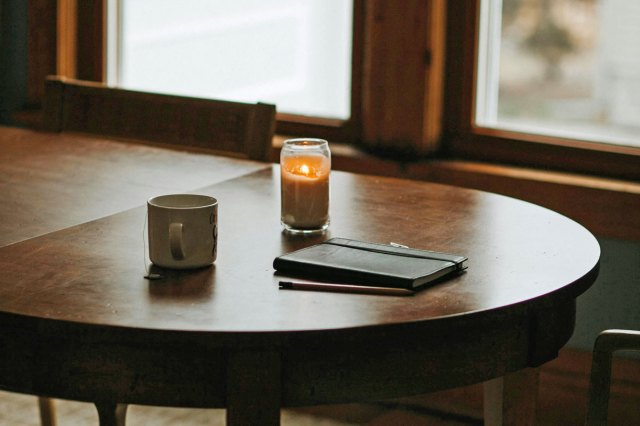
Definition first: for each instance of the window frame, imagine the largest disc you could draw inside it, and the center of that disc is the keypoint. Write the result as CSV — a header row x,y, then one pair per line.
x,y
382,93
445,51
65,37
464,139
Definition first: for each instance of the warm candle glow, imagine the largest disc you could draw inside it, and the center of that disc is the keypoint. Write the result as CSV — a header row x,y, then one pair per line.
x,y
305,165
305,191
311,166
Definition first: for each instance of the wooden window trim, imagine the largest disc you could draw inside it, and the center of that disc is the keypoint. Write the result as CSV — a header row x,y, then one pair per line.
x,y
380,122
463,139
66,37
91,40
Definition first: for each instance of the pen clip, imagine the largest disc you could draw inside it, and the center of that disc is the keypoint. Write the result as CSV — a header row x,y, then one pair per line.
x,y
392,244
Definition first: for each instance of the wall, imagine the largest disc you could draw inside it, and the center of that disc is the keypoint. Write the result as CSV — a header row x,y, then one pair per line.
x,y
614,300
13,57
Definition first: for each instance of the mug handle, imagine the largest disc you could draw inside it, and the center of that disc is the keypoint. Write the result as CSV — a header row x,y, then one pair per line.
x,y
175,241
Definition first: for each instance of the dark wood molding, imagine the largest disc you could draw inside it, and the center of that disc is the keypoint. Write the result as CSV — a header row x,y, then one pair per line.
x,y
66,37
91,43
403,58
42,56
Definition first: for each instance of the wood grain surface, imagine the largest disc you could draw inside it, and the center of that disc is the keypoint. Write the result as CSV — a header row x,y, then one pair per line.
x,y
517,253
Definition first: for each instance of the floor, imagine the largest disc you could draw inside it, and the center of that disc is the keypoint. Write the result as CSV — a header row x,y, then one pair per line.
x,y
21,410
562,401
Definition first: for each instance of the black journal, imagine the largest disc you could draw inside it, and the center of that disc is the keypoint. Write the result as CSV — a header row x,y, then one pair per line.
x,y
359,262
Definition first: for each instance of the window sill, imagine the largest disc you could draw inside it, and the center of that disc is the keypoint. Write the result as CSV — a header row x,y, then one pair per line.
x,y
605,206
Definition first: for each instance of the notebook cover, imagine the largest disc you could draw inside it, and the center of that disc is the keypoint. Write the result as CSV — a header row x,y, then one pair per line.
x,y
359,262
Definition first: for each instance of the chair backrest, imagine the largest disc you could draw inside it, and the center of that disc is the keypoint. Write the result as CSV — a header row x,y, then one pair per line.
x,y
231,128
606,344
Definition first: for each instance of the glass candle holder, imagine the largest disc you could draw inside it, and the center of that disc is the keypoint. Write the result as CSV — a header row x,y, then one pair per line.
x,y
305,165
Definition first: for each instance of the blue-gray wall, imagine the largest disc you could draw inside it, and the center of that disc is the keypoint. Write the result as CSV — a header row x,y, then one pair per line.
x,y
614,300
13,57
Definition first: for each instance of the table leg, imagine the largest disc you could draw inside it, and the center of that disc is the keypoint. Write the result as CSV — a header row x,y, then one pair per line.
x,y
47,411
111,414
511,400
253,388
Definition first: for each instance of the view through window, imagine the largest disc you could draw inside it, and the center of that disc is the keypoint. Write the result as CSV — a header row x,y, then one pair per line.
x,y
567,68
295,54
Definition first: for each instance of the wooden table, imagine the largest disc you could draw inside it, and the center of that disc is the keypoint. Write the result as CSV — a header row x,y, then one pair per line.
x,y
79,321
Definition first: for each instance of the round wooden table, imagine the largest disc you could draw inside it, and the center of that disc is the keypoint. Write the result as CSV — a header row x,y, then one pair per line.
x,y
80,322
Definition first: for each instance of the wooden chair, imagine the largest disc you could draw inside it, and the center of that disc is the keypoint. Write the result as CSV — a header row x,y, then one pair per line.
x,y
229,128
606,344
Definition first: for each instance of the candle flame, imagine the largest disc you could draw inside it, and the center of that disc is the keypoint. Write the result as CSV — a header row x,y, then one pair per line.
x,y
304,169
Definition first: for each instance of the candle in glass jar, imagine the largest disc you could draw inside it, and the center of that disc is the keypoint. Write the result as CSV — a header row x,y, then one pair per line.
x,y
305,166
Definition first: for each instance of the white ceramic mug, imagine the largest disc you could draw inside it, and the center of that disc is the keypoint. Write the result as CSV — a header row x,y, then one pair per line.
x,y
183,230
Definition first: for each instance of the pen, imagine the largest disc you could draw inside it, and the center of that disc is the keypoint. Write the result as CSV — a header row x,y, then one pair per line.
x,y
345,288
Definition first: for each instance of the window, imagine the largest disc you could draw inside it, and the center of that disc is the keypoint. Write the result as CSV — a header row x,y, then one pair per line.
x,y
346,70
295,54
561,68
406,95
530,83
